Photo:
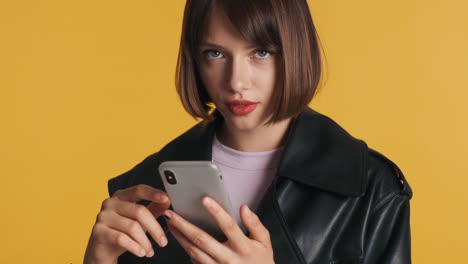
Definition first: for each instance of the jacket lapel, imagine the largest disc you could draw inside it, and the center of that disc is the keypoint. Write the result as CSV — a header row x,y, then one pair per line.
x,y
285,248
321,154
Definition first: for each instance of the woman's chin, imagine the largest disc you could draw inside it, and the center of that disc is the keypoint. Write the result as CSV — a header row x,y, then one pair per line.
x,y
243,123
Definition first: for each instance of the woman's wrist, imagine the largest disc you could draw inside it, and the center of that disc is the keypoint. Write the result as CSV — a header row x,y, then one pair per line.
x,y
95,261
89,259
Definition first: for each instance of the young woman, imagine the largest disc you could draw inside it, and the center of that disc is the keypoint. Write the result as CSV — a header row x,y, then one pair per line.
x,y
305,190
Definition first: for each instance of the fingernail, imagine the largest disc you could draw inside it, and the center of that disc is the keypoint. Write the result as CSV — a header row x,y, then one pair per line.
x,y
249,212
208,201
150,253
142,253
163,241
167,215
162,197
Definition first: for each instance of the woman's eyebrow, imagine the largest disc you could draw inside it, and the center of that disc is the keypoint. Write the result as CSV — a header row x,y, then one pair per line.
x,y
211,44
221,47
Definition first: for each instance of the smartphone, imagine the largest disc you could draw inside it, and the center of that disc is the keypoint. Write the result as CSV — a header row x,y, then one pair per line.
x,y
186,182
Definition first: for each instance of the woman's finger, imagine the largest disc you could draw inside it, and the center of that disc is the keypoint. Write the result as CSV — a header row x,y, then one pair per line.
x,y
141,192
198,237
196,255
157,209
121,240
226,223
257,230
141,214
127,226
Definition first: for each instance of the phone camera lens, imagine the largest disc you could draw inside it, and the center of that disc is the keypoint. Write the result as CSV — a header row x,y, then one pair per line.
x,y
170,177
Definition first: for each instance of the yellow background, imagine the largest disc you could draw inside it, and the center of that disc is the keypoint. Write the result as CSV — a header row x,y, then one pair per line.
x,y
87,92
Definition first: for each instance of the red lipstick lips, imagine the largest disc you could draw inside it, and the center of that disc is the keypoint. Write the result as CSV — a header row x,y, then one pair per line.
x,y
241,107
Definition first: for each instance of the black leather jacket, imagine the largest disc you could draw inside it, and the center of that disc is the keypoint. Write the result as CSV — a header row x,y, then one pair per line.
x,y
334,200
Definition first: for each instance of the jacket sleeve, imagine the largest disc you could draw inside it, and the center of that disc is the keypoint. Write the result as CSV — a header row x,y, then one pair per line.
x,y
388,238
139,174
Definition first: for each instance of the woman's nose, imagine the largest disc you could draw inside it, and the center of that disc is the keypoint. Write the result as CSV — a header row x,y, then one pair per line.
x,y
238,75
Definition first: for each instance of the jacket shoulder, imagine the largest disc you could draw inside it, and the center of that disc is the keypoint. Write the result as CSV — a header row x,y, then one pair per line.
x,y
385,177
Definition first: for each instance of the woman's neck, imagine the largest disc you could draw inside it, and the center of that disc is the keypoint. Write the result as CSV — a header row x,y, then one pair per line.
x,y
256,140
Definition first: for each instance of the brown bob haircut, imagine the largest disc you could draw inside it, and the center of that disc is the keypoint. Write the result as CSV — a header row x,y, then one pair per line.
x,y
284,24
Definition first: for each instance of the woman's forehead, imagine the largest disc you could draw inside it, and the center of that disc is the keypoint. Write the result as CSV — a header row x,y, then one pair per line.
x,y
218,23
220,32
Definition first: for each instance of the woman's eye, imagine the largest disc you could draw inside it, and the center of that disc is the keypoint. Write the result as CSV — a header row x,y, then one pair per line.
x,y
262,54
213,54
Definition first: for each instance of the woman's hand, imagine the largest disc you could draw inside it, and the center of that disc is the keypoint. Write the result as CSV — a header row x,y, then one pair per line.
x,y
204,249
121,225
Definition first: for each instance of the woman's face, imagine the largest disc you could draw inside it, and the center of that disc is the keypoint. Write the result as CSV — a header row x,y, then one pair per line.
x,y
239,77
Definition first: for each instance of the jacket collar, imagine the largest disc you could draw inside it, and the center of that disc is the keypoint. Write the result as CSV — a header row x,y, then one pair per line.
x,y
318,153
